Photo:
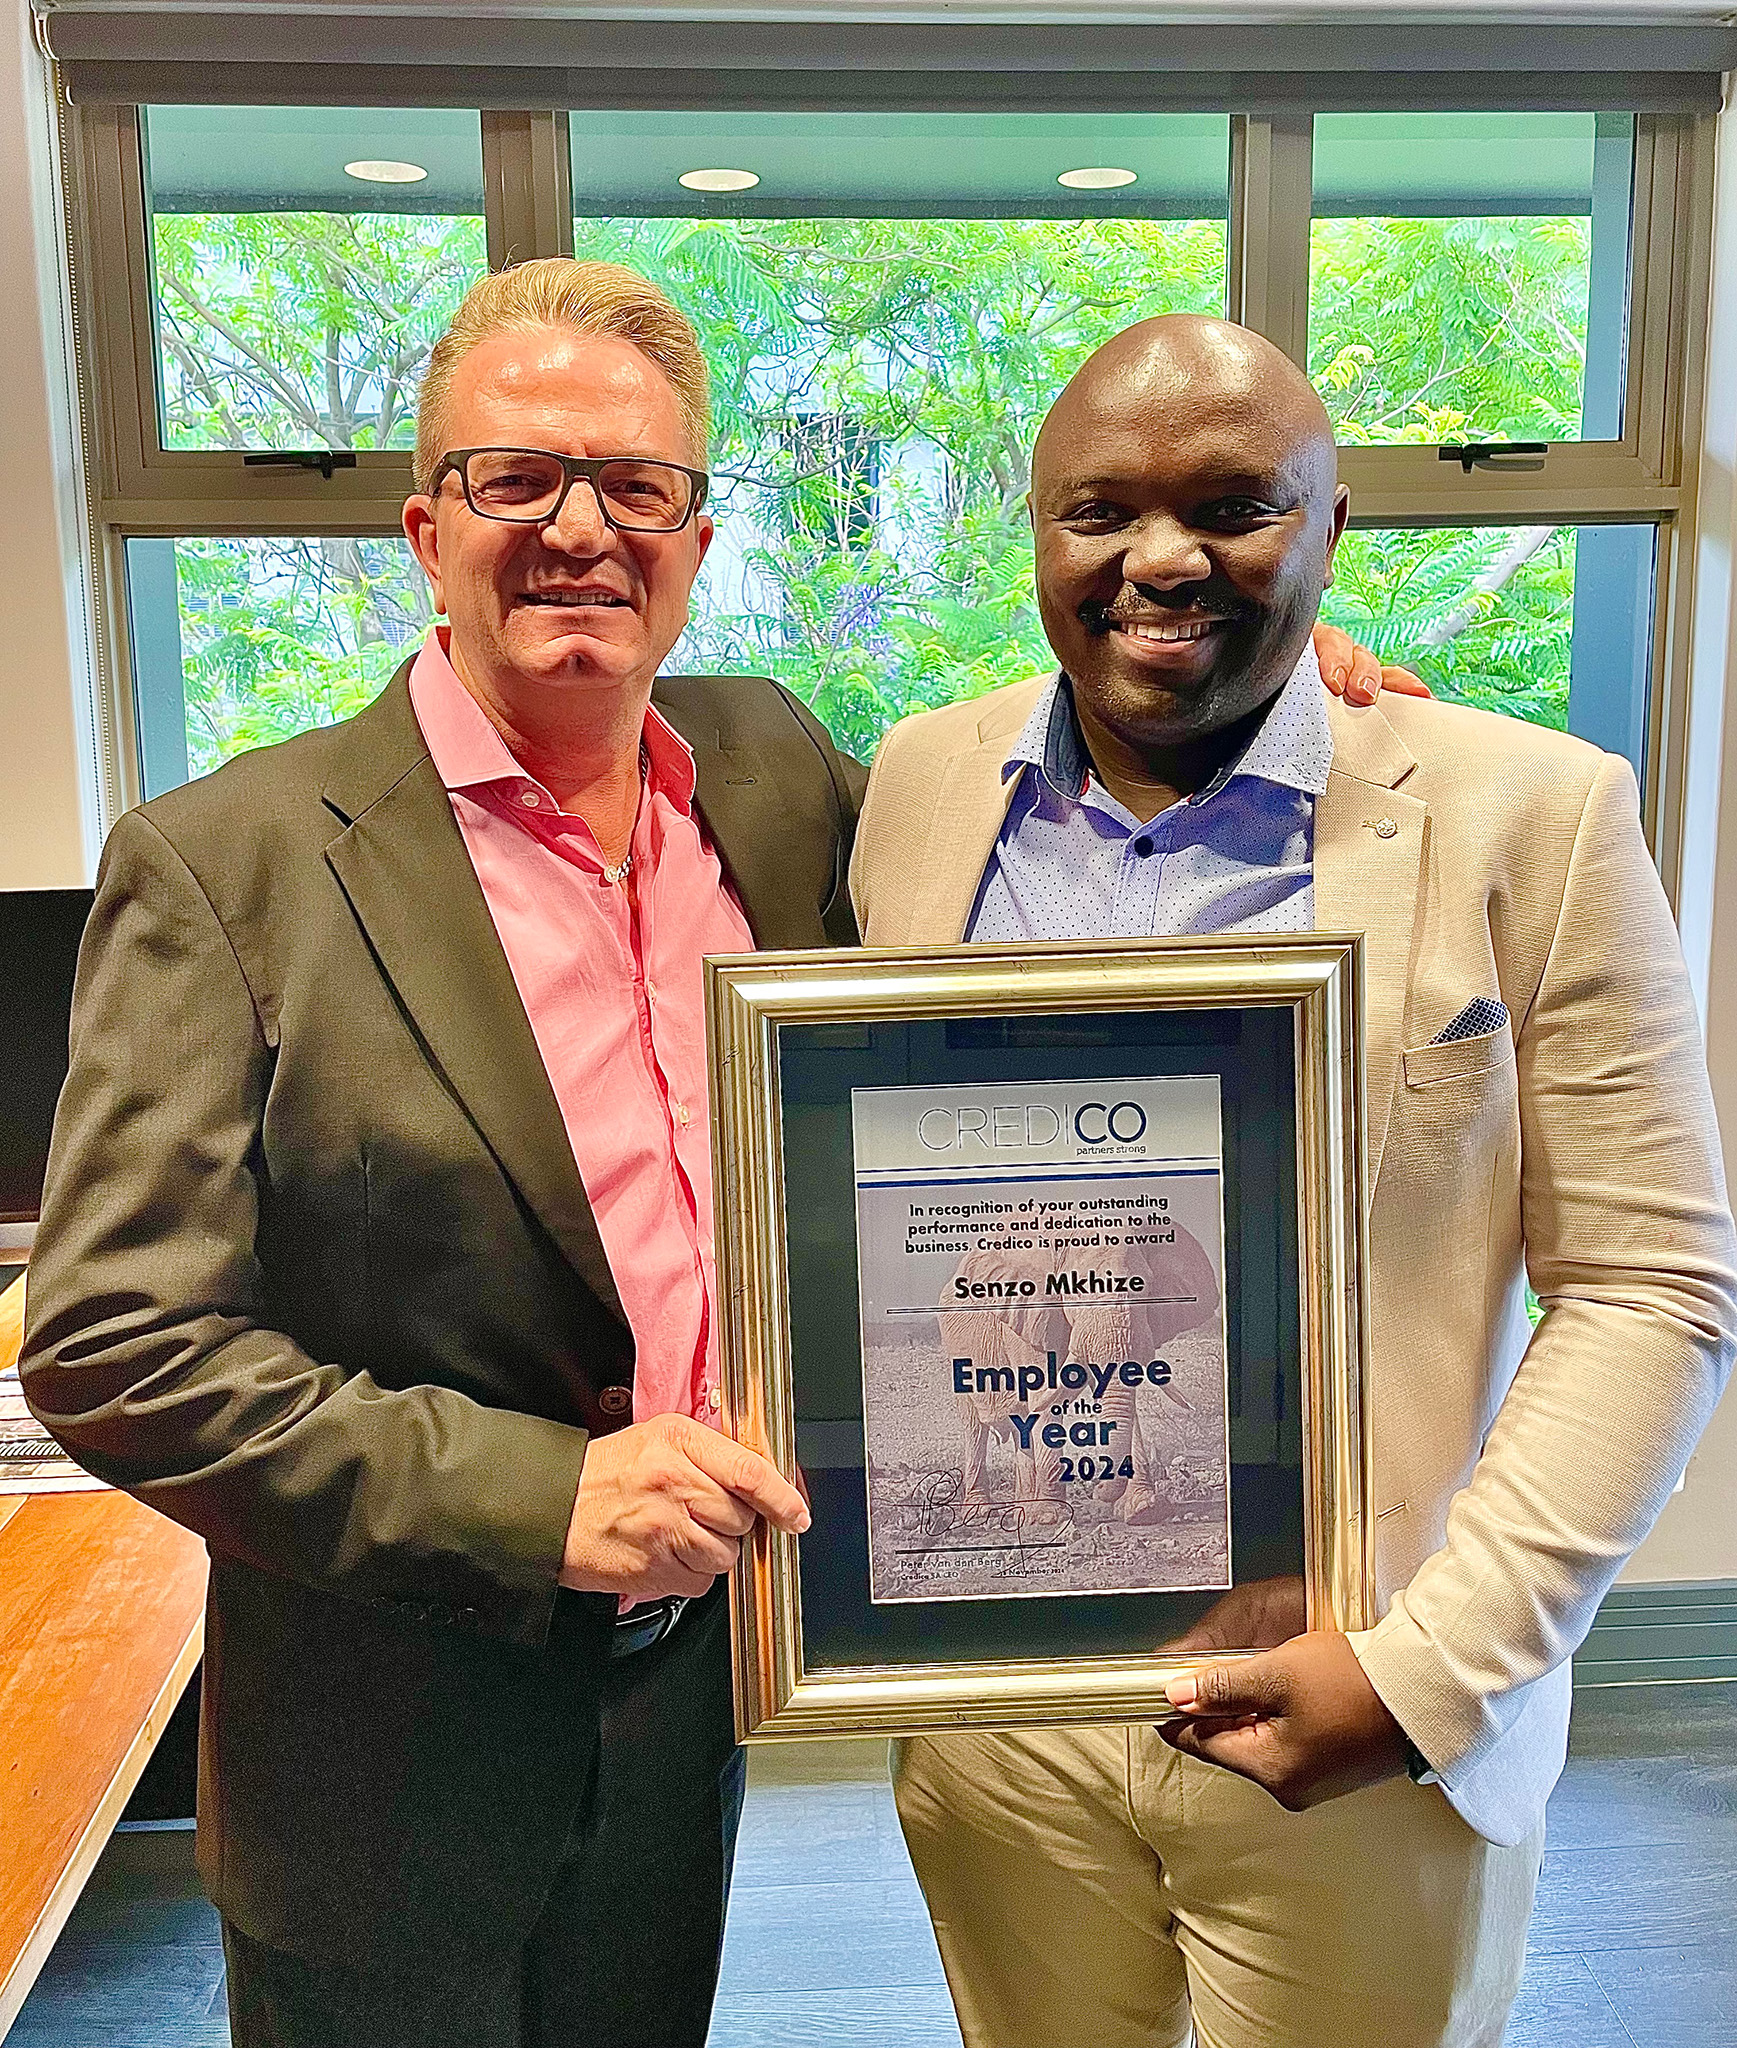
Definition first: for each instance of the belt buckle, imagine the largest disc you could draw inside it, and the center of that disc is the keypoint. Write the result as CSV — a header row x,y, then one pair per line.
x,y
657,1620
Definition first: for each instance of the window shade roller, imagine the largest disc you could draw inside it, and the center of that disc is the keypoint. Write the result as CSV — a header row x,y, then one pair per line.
x,y
203,53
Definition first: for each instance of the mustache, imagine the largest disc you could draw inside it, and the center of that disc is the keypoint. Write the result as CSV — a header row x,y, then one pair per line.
x,y
1132,604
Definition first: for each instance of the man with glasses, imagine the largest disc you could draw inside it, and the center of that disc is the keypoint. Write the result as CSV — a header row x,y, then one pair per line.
x,y
377,1243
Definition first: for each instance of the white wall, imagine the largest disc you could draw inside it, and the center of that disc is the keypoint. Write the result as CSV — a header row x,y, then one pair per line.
x,y
1696,1537
48,829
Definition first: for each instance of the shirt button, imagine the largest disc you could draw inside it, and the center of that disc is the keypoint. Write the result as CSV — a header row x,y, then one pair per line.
x,y
530,799
683,1115
651,991
1142,847
714,1400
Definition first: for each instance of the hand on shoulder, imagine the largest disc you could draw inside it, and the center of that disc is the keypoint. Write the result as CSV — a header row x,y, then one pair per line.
x,y
1351,671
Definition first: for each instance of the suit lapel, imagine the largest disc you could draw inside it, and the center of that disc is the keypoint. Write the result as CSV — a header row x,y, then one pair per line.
x,y
970,809
737,800
1368,862
401,862
733,799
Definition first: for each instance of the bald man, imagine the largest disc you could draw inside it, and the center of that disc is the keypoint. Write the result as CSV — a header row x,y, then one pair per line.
x,y
1333,1844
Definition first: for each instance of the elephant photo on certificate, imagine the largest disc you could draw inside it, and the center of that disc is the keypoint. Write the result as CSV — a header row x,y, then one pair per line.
x,y
1045,1392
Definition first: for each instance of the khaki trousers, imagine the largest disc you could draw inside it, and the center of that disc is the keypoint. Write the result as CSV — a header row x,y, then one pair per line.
x,y
1091,1888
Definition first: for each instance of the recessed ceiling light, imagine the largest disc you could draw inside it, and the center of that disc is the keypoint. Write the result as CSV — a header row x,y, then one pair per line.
x,y
1102,179
374,170
719,181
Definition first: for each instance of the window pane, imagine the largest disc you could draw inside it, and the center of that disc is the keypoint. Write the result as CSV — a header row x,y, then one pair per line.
x,y
237,643
1547,623
1468,275
888,310
302,272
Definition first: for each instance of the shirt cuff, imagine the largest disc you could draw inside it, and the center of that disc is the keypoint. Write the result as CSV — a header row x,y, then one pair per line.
x,y
1439,1719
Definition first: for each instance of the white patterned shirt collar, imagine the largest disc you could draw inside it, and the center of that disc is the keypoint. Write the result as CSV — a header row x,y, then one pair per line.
x,y
1293,745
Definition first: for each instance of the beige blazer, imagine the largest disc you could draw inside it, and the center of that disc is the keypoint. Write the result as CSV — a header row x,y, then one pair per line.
x,y
1479,856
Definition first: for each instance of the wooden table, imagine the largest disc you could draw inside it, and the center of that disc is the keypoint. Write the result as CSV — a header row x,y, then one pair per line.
x,y
101,1619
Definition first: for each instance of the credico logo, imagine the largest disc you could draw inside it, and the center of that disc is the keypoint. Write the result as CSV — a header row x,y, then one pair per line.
x,y
1131,1124
1009,1126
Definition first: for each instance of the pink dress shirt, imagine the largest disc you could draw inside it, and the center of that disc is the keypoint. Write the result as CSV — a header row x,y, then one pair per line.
x,y
610,978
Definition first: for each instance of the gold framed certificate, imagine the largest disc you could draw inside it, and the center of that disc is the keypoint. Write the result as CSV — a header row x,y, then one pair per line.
x,y
1044,1268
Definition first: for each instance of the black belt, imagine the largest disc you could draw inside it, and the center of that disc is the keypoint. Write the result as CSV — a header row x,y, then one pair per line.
x,y
646,1624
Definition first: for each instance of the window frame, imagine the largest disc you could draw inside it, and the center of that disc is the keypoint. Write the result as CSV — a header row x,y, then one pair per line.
x,y
1649,476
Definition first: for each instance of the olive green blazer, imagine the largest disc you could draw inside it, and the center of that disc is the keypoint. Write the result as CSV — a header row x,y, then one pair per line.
x,y
317,1277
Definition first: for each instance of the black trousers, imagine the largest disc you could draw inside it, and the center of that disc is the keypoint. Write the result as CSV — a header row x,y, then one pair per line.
x,y
625,1953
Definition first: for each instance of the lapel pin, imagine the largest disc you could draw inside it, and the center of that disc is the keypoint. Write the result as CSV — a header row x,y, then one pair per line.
x,y
1383,828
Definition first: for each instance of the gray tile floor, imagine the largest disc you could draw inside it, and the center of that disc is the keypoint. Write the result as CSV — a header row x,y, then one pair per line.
x,y
1634,1944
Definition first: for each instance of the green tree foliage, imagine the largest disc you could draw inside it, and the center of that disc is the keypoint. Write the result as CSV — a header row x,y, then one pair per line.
x,y
297,330
878,385
1485,615
909,361
1443,330
303,330
1439,330
282,634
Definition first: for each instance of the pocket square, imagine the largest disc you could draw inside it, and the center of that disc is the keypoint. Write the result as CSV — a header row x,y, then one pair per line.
x,y
1481,1016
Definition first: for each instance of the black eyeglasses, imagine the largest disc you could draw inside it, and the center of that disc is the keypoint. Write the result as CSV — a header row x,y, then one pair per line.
x,y
528,487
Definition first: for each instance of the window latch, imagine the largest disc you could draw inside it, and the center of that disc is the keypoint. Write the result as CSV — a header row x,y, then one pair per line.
x,y
325,460
1495,454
